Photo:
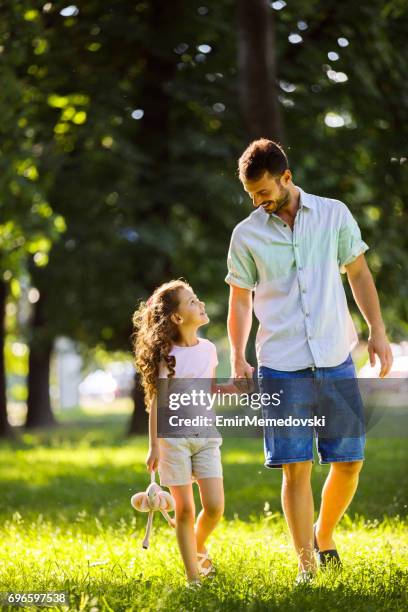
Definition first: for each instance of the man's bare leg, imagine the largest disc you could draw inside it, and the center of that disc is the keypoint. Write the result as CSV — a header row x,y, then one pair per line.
x,y
337,493
297,503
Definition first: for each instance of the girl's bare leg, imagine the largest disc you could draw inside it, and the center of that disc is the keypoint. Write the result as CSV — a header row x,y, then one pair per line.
x,y
212,500
185,515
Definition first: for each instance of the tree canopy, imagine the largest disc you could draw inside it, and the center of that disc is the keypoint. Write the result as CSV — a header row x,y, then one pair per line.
x,y
121,128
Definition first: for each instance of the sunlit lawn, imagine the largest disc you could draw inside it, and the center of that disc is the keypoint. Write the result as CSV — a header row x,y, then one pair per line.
x,y
67,524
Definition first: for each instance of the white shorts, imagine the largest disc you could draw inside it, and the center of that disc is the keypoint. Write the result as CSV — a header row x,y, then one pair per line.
x,y
184,460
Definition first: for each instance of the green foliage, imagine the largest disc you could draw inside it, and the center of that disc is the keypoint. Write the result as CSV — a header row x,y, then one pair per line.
x,y
28,224
363,160
121,129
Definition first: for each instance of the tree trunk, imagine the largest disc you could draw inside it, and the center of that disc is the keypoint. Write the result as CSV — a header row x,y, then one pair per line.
x,y
5,429
154,98
257,70
139,423
258,86
39,412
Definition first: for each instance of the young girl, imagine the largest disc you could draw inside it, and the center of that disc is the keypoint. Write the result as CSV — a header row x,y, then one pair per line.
x,y
166,345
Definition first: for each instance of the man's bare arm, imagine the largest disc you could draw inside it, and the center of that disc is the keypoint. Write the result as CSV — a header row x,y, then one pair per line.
x,y
366,297
239,325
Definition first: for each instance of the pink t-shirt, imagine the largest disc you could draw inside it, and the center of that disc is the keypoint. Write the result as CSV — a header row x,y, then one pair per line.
x,y
196,361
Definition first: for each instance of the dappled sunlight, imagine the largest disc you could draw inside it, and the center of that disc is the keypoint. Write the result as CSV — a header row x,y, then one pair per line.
x,y
123,167
113,565
67,523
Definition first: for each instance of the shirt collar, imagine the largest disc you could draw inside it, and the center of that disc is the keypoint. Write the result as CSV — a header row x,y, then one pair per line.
x,y
306,199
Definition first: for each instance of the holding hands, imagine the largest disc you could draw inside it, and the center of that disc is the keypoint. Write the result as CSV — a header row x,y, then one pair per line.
x,y
242,373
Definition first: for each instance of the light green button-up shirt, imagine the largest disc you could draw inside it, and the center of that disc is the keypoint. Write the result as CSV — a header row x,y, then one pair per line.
x,y
299,299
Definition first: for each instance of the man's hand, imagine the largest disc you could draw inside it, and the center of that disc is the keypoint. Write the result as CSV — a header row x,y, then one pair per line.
x,y
243,371
366,297
152,459
239,325
378,344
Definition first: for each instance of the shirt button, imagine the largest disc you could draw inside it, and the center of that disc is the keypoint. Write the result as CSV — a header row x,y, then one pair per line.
x,y
303,289
300,268
310,337
307,314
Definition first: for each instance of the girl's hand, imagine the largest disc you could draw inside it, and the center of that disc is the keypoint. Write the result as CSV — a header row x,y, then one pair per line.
x,y
152,459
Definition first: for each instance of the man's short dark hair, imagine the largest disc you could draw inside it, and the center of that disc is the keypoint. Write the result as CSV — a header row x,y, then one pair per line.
x,y
260,156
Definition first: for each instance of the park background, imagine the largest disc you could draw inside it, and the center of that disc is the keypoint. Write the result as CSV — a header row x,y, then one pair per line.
x,y
121,125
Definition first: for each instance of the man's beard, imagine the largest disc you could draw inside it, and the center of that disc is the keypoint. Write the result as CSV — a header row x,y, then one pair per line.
x,y
280,202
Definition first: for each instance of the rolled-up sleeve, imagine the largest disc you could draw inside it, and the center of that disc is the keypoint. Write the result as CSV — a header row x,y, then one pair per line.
x,y
241,265
350,244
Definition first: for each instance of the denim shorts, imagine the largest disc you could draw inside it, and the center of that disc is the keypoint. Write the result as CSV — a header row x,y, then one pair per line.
x,y
311,394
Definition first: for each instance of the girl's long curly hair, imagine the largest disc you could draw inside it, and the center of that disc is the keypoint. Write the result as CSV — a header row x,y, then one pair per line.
x,y
154,334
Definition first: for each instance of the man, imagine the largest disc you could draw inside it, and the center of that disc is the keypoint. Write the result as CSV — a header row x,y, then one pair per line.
x,y
290,252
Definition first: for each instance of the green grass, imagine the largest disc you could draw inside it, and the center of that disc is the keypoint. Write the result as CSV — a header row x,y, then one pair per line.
x,y
67,524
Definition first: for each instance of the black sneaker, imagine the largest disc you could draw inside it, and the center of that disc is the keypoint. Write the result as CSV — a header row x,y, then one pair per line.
x,y
326,558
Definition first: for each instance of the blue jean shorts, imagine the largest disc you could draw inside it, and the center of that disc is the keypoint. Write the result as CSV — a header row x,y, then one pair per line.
x,y
307,396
